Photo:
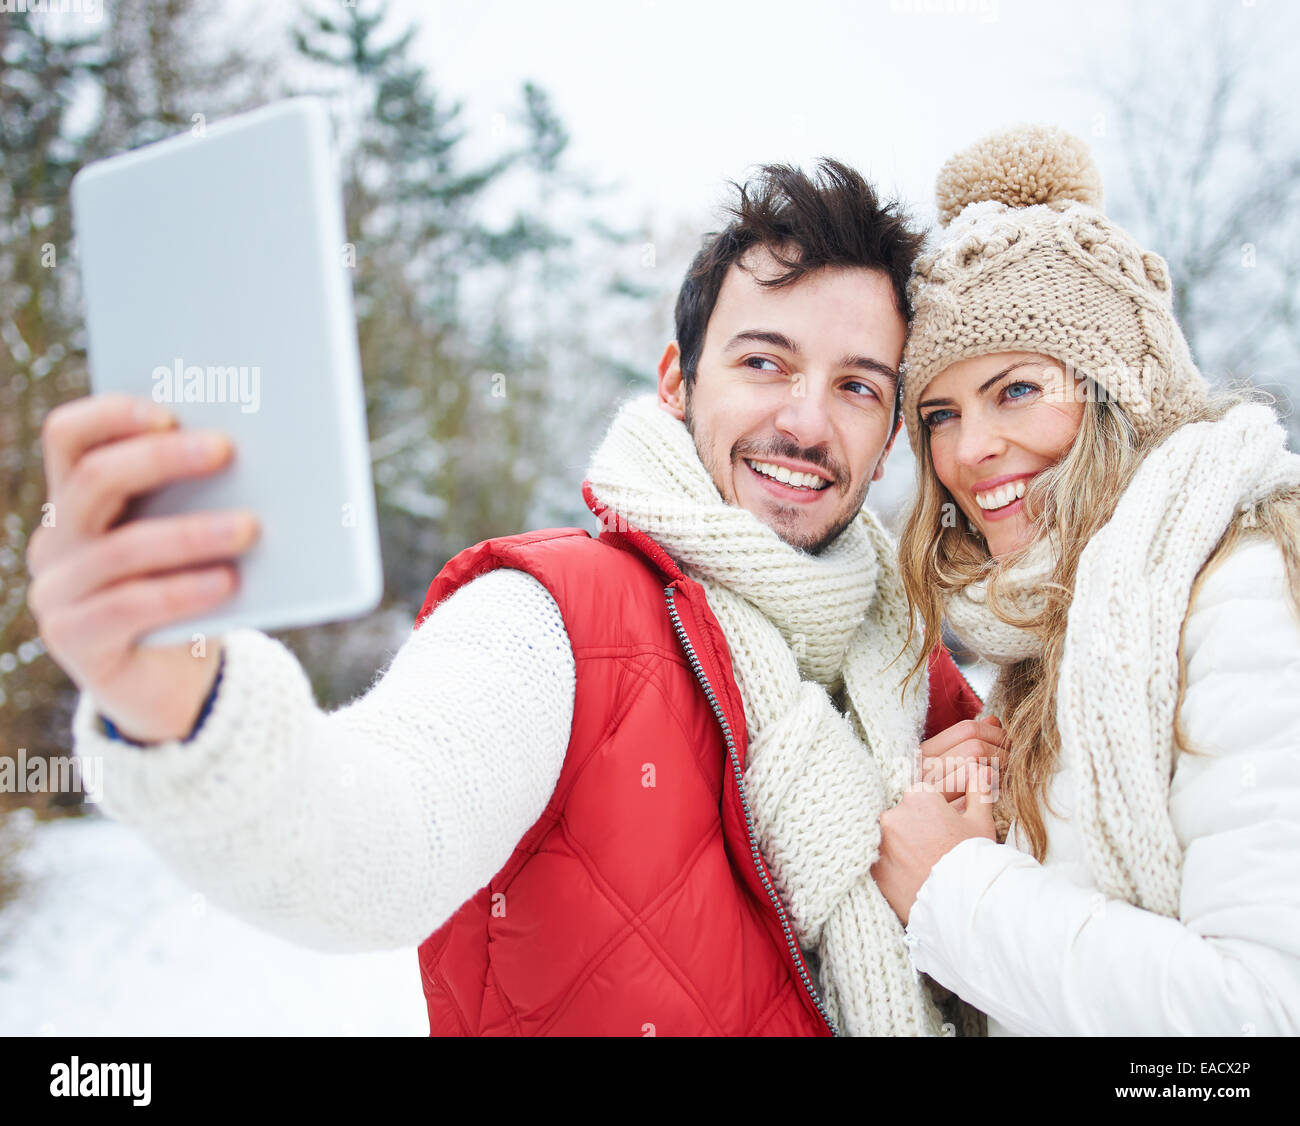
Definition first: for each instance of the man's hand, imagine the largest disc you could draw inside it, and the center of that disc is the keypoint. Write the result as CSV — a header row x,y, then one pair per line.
x,y
923,827
945,756
96,586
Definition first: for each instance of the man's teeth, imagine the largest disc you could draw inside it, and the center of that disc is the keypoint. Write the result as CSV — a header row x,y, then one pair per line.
x,y
1001,497
788,477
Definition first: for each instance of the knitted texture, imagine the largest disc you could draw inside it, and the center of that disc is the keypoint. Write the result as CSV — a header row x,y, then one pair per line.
x,y
1119,676
1027,262
365,828
983,631
1021,168
798,626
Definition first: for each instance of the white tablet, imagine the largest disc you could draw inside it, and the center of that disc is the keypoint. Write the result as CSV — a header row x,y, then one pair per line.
x,y
216,282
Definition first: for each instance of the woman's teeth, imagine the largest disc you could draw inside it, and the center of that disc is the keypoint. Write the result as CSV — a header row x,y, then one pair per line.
x,y
788,477
1001,497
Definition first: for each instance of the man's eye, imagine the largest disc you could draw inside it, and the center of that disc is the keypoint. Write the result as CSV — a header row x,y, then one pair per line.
x,y
935,417
751,360
865,387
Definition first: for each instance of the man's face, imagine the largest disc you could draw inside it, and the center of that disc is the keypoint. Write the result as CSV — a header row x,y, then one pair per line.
x,y
794,380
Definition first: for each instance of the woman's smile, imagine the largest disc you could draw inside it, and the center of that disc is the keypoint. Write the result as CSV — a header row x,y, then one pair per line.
x,y
993,424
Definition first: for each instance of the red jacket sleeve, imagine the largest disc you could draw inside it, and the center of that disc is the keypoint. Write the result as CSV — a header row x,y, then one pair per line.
x,y
951,698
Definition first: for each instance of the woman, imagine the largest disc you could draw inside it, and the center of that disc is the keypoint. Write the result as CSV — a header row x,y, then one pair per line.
x,y
1125,545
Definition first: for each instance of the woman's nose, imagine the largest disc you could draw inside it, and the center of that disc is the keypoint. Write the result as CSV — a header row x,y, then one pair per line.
x,y
977,441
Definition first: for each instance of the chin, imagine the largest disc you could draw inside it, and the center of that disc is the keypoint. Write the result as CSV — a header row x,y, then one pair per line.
x,y
1008,546
811,541
786,521
809,545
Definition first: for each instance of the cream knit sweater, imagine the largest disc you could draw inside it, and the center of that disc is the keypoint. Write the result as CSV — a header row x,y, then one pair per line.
x,y
365,828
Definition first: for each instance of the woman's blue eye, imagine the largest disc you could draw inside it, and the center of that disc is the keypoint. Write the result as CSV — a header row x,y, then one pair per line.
x,y
1012,386
935,417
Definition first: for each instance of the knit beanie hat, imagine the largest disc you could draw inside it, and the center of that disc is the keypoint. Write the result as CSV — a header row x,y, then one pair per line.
x,y
1027,262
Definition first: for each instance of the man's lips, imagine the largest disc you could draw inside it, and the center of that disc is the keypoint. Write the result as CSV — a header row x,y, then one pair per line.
x,y
783,492
795,466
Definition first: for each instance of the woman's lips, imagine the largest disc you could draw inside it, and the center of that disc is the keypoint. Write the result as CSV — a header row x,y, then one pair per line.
x,y
1009,509
1001,513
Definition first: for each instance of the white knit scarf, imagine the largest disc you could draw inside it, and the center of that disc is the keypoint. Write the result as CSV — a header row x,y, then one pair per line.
x,y
1119,676
816,780
1021,586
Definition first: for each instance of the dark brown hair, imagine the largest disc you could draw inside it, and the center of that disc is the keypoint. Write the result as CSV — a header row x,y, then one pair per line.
x,y
806,224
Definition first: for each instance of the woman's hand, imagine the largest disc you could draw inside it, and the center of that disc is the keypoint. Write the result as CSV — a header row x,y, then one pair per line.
x,y
945,756
923,826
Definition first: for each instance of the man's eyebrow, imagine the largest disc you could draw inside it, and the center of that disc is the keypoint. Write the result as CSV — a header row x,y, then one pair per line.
x,y
983,386
866,363
780,340
762,336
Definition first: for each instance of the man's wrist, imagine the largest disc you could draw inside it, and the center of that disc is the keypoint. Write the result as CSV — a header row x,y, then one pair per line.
x,y
109,729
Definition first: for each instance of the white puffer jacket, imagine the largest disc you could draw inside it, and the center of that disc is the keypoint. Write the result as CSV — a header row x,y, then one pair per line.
x,y
1042,952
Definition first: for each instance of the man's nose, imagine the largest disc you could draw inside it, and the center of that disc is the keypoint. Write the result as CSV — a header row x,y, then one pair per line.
x,y
805,415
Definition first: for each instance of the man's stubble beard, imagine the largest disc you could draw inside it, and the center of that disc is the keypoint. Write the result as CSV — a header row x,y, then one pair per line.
x,y
809,547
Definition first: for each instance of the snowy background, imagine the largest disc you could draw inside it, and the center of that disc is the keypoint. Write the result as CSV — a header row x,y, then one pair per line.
x,y
651,108
107,942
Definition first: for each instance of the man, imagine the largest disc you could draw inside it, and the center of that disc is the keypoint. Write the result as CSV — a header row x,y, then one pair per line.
x,y
617,785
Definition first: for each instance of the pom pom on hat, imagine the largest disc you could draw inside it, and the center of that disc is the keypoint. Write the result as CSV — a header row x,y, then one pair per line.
x,y
1019,167
1027,262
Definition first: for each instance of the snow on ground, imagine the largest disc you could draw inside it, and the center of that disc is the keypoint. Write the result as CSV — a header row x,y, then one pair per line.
x,y
108,941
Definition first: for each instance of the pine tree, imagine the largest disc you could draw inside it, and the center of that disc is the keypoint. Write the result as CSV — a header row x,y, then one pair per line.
x,y
40,76
144,70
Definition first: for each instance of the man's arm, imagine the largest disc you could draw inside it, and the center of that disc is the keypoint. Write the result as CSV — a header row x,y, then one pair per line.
x,y
365,828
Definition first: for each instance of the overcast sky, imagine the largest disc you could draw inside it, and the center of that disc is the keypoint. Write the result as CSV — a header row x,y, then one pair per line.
x,y
672,97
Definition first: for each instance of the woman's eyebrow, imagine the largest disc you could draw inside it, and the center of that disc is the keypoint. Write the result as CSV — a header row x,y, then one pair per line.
x,y
983,386
1005,371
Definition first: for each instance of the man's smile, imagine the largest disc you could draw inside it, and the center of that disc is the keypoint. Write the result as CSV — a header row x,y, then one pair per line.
x,y
784,484
795,475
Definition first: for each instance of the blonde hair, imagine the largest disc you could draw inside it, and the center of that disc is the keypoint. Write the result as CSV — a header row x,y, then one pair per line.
x,y
1073,499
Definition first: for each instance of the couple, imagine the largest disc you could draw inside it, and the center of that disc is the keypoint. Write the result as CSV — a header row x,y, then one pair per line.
x,y
665,781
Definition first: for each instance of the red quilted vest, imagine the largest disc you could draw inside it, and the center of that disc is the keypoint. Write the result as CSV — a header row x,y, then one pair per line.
x,y
638,904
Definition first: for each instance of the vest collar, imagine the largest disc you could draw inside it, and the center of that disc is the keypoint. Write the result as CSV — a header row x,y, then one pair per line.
x,y
619,532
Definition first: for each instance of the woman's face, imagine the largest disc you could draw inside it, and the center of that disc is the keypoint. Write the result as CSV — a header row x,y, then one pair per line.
x,y
994,423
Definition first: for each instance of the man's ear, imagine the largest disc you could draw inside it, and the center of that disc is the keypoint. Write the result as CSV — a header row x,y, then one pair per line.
x,y
879,471
672,389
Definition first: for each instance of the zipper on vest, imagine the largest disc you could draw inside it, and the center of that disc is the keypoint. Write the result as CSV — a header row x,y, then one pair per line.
x,y
756,856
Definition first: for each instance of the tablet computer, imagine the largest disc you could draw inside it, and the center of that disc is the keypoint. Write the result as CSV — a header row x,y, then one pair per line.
x,y
215,282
